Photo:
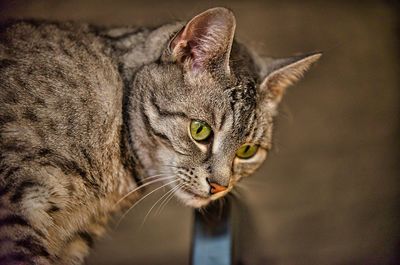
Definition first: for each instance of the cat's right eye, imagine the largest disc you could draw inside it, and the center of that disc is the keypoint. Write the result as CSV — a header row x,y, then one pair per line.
x,y
200,130
247,151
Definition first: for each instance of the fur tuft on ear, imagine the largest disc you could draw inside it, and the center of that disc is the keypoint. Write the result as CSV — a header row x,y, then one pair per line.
x,y
282,73
205,41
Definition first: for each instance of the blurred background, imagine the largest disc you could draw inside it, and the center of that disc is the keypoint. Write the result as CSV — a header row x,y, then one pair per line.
x,y
329,192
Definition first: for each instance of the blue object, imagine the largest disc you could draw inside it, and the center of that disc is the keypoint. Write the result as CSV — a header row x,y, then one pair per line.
x,y
212,236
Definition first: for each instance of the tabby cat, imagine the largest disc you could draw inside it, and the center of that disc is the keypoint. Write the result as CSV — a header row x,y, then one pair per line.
x,y
88,114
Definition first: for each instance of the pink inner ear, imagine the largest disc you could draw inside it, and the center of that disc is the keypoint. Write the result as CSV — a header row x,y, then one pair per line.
x,y
191,42
177,40
205,38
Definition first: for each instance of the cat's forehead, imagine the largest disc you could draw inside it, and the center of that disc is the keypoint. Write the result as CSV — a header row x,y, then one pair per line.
x,y
229,95
243,93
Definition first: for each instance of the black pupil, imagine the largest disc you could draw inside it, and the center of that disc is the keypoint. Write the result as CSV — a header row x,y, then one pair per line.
x,y
247,148
199,129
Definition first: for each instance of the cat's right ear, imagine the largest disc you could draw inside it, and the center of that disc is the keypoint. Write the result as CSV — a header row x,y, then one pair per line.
x,y
205,41
281,73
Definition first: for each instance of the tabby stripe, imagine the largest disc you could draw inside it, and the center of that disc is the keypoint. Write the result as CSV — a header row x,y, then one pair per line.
x,y
14,220
147,123
6,239
132,161
5,189
238,116
53,209
33,246
17,196
12,258
233,123
13,146
214,119
11,171
125,129
87,156
44,152
10,97
40,101
30,114
87,237
71,167
66,50
2,166
251,125
7,62
258,134
166,113
28,158
153,131
222,122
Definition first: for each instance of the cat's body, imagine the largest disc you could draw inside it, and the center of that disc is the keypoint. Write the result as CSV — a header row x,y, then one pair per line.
x,y
61,125
88,113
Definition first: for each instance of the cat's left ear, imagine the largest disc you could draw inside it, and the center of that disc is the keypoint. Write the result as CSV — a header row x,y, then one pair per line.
x,y
282,73
205,42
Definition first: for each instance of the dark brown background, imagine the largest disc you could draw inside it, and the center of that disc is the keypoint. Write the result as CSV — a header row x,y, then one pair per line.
x,y
329,193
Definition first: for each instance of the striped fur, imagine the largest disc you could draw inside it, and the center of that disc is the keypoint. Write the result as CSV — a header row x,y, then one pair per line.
x,y
87,113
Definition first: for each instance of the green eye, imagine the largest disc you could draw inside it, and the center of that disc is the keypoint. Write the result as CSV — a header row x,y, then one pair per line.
x,y
199,130
246,151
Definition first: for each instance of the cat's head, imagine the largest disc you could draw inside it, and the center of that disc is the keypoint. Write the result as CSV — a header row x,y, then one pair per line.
x,y
207,108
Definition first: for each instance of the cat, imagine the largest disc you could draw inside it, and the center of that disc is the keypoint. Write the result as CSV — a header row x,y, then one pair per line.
x,y
89,115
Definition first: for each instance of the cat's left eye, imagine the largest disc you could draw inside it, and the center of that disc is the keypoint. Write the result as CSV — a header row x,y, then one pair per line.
x,y
247,151
200,130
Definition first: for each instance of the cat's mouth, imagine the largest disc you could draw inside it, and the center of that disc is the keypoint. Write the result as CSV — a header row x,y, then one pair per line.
x,y
192,199
195,195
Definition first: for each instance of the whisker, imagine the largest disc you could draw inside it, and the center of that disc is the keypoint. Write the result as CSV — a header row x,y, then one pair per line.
x,y
168,199
142,186
152,207
171,166
155,176
141,199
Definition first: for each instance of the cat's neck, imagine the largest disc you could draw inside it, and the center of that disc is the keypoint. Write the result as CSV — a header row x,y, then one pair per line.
x,y
134,47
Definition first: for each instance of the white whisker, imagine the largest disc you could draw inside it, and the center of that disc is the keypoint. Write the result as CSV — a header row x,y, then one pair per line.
x,y
142,186
141,199
156,176
168,199
171,166
152,207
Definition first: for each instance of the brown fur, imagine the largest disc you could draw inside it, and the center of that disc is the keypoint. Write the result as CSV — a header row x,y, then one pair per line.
x,y
60,136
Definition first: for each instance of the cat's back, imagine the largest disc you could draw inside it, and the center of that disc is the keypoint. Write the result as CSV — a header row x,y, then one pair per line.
x,y
60,125
61,98
58,86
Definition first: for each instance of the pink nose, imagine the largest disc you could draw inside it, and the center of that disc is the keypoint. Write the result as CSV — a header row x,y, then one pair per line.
x,y
215,188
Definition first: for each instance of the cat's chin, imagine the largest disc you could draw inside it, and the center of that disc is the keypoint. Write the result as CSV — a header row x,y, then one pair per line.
x,y
192,200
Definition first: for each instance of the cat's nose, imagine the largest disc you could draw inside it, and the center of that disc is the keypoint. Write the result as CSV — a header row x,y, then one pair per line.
x,y
215,188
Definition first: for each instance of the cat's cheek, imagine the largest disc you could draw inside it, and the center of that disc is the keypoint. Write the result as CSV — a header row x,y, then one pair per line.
x,y
164,156
243,168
